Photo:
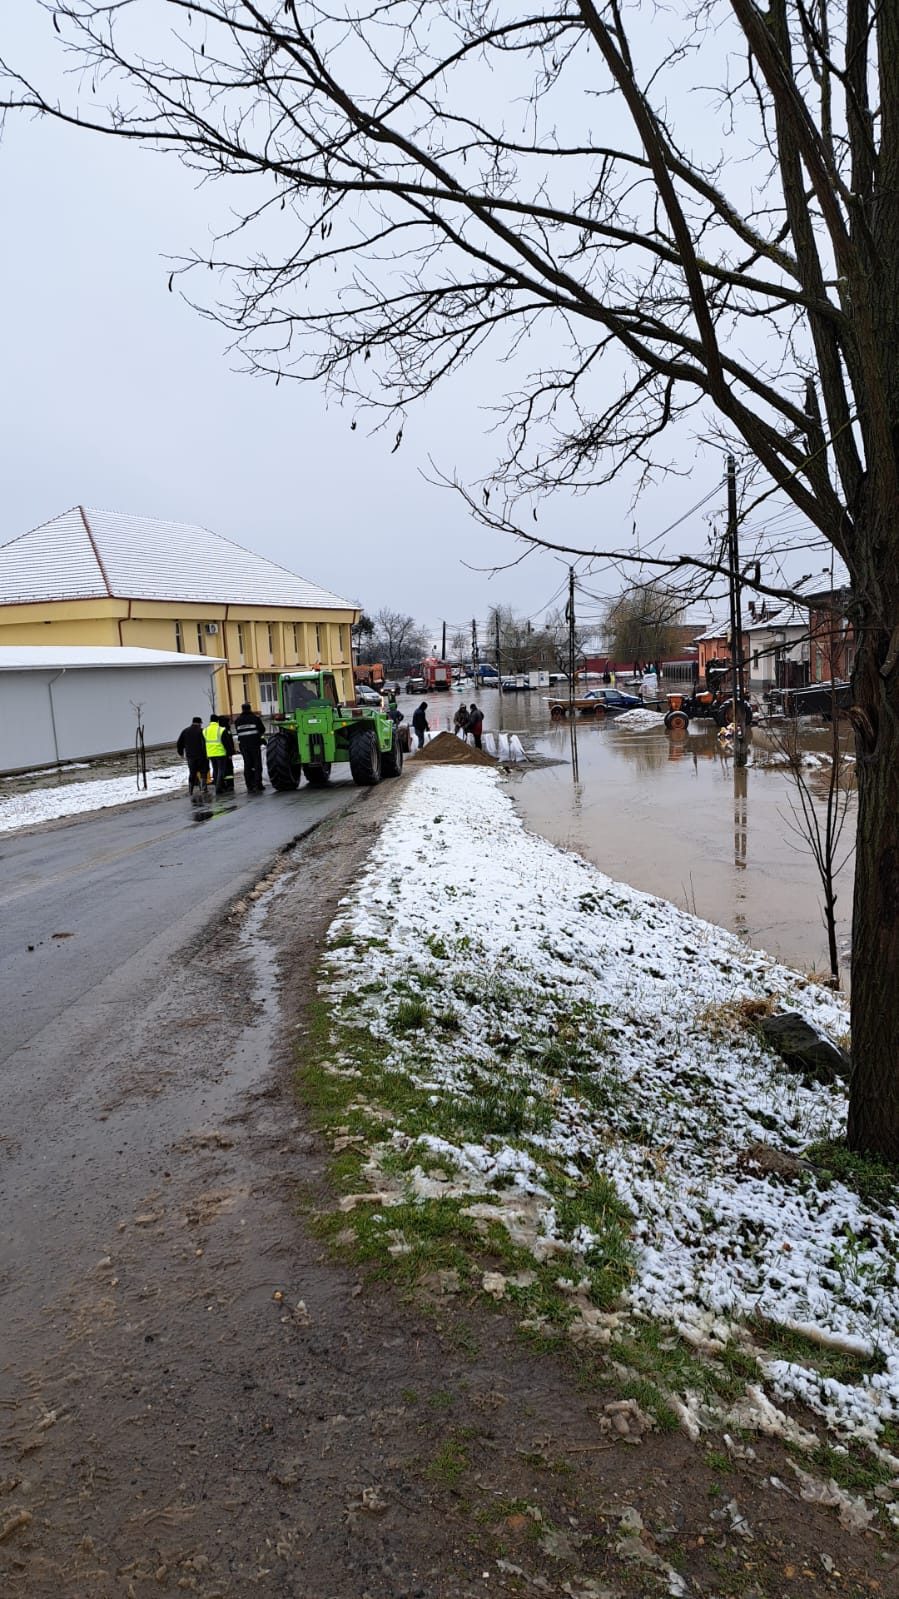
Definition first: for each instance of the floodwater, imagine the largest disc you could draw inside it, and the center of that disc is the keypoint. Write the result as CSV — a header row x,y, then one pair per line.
x,y
673,815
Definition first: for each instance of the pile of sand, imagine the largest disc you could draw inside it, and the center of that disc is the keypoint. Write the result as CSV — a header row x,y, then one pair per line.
x,y
448,750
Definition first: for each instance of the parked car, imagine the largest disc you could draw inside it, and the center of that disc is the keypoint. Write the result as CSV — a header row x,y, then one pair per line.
x,y
415,685
614,699
366,695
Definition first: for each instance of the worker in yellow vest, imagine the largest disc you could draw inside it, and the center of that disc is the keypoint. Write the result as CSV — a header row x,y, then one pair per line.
x,y
215,749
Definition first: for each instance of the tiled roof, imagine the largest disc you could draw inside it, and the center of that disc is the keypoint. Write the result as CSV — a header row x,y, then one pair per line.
x,y
75,657
87,554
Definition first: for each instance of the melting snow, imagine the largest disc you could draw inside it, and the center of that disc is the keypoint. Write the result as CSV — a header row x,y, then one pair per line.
x,y
456,888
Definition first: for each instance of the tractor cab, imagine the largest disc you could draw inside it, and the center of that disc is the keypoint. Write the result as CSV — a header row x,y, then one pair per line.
x,y
300,691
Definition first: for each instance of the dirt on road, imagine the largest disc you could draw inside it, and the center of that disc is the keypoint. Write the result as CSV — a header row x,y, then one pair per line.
x,y
196,1398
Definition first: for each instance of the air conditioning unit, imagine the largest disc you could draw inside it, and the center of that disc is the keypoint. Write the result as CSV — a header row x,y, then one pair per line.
x,y
212,628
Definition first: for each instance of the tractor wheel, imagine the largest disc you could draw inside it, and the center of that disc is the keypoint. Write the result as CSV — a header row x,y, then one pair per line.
x,y
283,762
677,720
317,776
392,759
365,757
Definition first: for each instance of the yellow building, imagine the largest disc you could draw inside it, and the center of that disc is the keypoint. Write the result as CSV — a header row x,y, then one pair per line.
x,y
101,578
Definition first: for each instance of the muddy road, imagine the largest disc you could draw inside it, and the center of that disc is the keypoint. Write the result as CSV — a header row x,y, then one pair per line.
x,y
194,1398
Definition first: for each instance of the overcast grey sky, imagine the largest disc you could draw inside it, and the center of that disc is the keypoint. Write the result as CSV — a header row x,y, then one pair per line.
x,y
118,395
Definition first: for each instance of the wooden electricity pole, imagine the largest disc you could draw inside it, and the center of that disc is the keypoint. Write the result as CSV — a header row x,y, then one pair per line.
x,y
736,615
572,713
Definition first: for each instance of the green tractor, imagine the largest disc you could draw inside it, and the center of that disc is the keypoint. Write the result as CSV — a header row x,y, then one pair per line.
x,y
313,731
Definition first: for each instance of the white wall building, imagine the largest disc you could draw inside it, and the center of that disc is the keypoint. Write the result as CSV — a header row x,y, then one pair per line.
x,y
777,645
71,702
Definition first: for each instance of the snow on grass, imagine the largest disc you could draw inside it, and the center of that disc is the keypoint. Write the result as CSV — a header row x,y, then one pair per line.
x,y
70,799
575,1040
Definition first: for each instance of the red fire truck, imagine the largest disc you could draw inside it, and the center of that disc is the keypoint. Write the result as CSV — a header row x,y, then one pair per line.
x,y
436,674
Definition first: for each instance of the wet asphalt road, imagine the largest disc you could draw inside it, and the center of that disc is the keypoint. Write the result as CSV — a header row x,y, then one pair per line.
x,y
131,884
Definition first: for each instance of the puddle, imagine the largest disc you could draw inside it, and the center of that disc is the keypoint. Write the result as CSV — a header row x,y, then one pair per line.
x,y
204,815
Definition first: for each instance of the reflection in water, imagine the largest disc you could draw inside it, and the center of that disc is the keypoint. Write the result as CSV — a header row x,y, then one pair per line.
x,y
741,814
671,815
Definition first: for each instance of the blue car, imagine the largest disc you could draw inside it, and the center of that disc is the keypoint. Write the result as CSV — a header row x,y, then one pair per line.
x,y
614,699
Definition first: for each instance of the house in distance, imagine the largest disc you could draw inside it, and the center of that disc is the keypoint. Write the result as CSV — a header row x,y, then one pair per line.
x,y
102,578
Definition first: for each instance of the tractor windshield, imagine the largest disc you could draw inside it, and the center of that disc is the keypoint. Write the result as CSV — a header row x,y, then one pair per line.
x,y
300,692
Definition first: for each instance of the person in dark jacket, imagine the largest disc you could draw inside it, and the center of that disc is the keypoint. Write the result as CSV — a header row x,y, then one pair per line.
x,y
420,723
192,746
250,730
475,725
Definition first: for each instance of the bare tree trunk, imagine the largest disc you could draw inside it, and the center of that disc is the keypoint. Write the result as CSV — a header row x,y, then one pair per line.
x,y
874,1100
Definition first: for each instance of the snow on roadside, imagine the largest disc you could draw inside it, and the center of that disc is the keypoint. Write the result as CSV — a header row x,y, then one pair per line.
x,y
70,799
640,717
456,887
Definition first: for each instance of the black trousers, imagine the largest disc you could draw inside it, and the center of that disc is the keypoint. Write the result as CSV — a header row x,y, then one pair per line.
x,y
251,750
218,772
199,775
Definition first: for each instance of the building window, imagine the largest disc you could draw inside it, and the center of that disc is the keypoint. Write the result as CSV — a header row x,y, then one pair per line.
x,y
246,689
755,660
318,642
271,641
201,645
268,693
296,643
240,644
179,639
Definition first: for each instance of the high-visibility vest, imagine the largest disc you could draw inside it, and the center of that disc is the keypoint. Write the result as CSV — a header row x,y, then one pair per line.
x,y
213,737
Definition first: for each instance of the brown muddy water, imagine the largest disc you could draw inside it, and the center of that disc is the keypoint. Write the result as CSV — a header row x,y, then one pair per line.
x,y
675,817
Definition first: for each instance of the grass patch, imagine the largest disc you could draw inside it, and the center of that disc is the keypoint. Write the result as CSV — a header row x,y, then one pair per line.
x,y
875,1181
785,1344
450,1463
410,1015
728,1015
852,1466
594,1205
654,1351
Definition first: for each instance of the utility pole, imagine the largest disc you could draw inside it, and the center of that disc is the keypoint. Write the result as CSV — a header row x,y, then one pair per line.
x,y
474,650
499,668
572,713
443,644
736,614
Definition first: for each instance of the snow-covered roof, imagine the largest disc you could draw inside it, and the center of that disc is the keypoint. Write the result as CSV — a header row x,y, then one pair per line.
x,y
789,615
717,629
832,579
89,554
75,657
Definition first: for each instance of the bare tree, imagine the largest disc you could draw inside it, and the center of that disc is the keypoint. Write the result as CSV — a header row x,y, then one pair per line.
x,y
398,640
460,645
818,814
553,641
423,178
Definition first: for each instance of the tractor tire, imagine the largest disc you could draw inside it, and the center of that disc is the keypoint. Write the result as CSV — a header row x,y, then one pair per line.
x,y
317,776
392,759
365,758
283,762
677,721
